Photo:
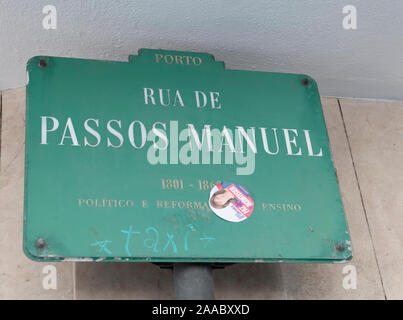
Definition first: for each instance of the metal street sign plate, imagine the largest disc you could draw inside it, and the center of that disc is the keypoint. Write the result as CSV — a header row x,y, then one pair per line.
x,y
171,157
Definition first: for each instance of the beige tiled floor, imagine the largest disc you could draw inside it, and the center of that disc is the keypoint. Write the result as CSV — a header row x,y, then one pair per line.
x,y
375,131
372,130
119,280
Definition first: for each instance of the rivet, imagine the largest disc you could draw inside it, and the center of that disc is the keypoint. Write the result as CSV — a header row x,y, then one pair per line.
x,y
42,63
340,247
305,82
41,243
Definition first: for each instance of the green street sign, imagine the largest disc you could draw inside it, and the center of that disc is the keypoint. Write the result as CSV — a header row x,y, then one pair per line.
x,y
170,157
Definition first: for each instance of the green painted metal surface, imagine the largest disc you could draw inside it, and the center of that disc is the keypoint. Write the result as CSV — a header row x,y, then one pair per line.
x,y
102,185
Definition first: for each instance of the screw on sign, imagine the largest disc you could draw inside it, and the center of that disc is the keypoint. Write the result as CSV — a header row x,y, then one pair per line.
x,y
41,243
42,63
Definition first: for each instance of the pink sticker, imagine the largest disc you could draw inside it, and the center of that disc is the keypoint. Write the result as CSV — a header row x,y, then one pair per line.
x,y
231,202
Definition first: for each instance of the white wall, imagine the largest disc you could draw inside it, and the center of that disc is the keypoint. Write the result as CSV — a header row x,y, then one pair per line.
x,y
283,36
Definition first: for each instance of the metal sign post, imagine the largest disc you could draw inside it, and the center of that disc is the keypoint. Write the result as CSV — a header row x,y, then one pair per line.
x,y
193,281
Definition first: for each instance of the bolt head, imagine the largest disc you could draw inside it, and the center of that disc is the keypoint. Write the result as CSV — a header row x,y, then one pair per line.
x,y
340,247
42,63
40,243
305,82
